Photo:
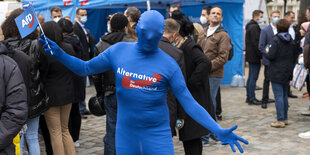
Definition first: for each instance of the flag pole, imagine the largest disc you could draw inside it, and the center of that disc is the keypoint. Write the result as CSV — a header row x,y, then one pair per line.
x,y
42,31
45,38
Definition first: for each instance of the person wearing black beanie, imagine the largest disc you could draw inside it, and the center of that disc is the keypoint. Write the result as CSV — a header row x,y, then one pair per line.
x,y
118,22
105,82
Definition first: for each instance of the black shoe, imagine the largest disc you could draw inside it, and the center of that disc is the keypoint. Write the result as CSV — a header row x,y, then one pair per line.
x,y
247,101
270,101
258,88
255,102
83,117
86,113
219,117
291,95
264,105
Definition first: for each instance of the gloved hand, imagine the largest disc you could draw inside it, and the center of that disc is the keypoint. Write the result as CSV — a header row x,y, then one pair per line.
x,y
53,49
228,137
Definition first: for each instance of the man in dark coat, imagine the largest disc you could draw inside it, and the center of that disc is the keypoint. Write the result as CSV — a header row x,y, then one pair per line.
x,y
87,41
13,102
290,17
253,56
265,39
175,109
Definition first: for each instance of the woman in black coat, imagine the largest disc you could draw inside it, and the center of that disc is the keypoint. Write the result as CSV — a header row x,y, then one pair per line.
x,y
59,85
197,67
282,55
78,81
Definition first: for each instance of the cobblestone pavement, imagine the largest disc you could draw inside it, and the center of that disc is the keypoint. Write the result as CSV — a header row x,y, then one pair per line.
x,y
253,121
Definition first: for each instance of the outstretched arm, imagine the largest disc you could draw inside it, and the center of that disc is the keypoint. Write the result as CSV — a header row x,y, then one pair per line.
x,y
199,114
96,65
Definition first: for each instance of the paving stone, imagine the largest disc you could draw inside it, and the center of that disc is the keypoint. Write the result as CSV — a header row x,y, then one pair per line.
x,y
253,125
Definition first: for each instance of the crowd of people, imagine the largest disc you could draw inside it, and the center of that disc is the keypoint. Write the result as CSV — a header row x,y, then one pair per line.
x,y
279,47
45,93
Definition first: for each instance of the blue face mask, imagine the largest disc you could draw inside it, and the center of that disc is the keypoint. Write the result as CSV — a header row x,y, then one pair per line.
x,y
275,20
83,19
261,20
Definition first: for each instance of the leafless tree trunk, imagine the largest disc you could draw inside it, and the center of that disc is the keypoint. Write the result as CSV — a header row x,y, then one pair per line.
x,y
303,6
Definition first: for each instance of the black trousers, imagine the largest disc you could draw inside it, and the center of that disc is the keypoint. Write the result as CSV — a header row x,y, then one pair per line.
x,y
46,135
308,84
266,86
75,120
193,147
218,103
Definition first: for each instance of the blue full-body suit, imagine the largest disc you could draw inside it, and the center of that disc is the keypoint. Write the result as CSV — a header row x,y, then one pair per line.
x,y
143,73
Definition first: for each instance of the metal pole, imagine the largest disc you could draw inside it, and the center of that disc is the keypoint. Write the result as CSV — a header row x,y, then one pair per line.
x,y
148,4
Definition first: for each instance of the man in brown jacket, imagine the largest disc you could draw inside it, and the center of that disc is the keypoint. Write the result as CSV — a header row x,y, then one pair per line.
x,y
215,43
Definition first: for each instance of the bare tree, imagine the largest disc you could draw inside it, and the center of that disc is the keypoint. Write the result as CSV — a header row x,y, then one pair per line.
x,y
303,5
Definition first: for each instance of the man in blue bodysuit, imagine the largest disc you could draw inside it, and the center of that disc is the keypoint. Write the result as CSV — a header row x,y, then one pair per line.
x,y
143,73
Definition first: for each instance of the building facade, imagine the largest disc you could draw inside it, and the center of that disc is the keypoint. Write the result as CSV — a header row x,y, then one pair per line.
x,y
292,5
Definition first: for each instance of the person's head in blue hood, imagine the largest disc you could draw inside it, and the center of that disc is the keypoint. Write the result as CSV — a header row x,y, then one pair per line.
x,y
150,29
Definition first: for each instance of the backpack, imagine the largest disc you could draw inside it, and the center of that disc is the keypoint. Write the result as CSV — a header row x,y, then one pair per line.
x,y
231,51
231,48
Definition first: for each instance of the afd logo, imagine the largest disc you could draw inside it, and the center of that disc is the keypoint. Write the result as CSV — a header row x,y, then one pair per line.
x,y
84,2
29,19
67,2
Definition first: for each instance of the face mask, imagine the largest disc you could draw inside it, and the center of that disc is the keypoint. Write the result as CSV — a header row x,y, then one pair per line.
x,y
275,20
83,19
109,28
203,20
175,44
261,20
56,19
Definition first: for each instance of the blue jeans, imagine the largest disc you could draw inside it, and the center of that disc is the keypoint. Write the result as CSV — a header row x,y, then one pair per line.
x,y
82,107
110,107
251,82
32,136
82,104
214,86
280,92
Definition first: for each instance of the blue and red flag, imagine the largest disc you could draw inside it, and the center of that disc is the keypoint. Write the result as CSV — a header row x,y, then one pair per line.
x,y
27,22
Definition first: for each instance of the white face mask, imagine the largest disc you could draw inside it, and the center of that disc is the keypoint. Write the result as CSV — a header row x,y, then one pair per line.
x,y
203,20
109,28
56,19
83,19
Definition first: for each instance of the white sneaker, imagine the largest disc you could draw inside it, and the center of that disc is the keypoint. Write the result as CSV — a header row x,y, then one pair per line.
x,y
305,135
77,144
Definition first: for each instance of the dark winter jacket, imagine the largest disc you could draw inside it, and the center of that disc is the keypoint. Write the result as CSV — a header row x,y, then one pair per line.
x,y
58,80
282,55
197,66
252,55
13,102
105,82
37,103
78,81
24,64
175,109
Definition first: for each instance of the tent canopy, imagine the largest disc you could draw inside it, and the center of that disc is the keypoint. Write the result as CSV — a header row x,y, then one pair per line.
x,y
99,9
